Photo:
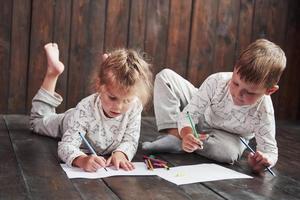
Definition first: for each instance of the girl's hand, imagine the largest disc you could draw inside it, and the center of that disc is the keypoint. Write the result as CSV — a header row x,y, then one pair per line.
x,y
119,160
190,143
89,163
258,161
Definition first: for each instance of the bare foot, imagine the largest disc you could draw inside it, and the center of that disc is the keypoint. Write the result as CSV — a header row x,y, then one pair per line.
x,y
55,67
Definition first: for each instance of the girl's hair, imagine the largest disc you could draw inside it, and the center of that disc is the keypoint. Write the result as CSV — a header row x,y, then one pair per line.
x,y
262,62
127,70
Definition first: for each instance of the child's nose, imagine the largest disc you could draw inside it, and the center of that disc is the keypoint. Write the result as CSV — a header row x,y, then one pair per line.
x,y
118,106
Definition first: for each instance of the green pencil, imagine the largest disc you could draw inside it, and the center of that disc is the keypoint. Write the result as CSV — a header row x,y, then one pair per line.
x,y
192,124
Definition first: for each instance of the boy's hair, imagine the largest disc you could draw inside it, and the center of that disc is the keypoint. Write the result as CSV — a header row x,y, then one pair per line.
x,y
262,62
127,70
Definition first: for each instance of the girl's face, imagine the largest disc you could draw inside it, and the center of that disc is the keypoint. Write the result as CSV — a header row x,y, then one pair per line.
x,y
115,101
244,93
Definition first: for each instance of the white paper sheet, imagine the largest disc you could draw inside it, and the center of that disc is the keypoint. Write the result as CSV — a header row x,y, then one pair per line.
x,y
177,175
140,169
199,173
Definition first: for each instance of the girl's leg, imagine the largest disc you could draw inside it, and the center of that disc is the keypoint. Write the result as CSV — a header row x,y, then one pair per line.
x,y
43,118
171,94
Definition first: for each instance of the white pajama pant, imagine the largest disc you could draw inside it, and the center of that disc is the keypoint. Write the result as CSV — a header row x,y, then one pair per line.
x,y
43,117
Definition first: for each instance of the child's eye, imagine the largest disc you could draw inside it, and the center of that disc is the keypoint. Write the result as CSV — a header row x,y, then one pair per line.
x,y
127,101
112,98
235,84
250,93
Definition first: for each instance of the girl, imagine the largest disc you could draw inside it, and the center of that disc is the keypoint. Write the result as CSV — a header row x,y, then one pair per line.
x,y
109,119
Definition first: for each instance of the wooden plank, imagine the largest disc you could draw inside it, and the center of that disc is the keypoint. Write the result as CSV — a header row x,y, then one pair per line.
x,y
137,24
11,179
289,95
150,187
245,25
157,32
41,33
202,41
270,23
19,56
61,36
226,34
277,26
87,36
38,162
288,140
117,20
93,189
178,36
5,48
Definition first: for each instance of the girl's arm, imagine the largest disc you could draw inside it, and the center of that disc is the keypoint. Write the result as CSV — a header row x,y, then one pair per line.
x,y
131,136
69,146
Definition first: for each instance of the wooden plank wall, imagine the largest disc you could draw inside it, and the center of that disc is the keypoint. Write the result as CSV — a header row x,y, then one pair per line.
x,y
193,37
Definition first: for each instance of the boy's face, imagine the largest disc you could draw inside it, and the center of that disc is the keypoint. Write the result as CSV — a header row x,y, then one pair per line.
x,y
244,93
115,101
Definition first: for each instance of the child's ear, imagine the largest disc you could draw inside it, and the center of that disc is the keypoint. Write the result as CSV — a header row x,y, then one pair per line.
x,y
271,90
104,57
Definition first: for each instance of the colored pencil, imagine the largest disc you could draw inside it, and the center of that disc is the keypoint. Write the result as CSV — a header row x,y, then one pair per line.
x,y
193,126
89,146
245,143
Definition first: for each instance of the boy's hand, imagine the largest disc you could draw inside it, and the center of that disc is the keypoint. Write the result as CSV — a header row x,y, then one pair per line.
x,y
119,160
258,161
89,163
190,143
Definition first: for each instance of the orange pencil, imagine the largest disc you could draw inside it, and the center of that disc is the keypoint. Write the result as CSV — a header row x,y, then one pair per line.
x,y
150,164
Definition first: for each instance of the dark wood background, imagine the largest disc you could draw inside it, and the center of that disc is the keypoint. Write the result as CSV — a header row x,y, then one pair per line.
x,y
193,37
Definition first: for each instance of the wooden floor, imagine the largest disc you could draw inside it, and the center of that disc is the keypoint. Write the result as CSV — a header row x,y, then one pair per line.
x,y
30,169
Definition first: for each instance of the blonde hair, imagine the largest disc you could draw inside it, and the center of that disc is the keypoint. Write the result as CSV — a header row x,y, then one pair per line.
x,y
262,62
127,70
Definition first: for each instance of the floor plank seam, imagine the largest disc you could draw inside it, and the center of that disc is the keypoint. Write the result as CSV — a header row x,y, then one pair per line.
x,y
107,185
18,161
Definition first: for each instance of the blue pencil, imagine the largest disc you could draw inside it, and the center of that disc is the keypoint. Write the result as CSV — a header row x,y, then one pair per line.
x,y
89,146
245,143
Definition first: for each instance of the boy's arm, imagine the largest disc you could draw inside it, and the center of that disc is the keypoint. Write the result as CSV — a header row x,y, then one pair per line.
x,y
198,104
265,135
129,142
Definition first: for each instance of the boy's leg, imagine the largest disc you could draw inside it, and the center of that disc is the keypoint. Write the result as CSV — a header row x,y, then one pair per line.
x,y
171,94
43,118
222,146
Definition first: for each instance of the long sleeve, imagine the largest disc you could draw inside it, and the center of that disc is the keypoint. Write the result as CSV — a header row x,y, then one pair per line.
x,y
69,146
199,102
265,132
129,142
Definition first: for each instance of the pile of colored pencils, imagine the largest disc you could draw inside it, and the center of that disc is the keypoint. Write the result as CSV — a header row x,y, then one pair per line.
x,y
153,163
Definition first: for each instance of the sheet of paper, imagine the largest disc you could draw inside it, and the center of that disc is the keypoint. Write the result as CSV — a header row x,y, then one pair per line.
x,y
177,175
140,170
199,173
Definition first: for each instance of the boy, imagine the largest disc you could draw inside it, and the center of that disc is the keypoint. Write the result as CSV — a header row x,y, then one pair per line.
x,y
228,105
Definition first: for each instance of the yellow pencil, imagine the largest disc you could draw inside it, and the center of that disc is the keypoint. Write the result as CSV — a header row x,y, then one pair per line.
x,y
150,164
